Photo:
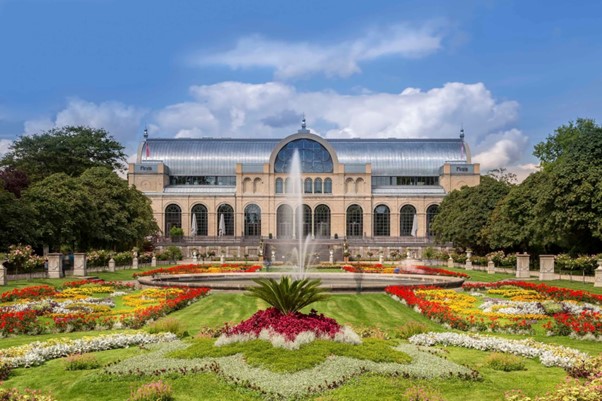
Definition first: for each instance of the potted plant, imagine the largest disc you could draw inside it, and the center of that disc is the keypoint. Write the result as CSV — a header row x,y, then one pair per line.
x,y
176,234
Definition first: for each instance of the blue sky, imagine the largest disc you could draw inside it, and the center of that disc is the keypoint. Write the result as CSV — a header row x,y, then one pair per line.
x,y
508,71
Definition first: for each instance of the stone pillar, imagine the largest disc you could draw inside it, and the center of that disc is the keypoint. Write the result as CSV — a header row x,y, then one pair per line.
x,y
331,256
222,258
522,265
135,262
55,265
450,262
273,256
3,278
468,261
380,257
598,276
80,265
111,265
154,261
490,267
546,267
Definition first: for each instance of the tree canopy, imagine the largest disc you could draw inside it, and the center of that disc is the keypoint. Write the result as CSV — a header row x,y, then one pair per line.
x,y
464,213
70,150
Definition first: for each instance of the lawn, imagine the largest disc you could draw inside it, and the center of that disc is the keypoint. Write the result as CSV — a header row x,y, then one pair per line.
x,y
364,312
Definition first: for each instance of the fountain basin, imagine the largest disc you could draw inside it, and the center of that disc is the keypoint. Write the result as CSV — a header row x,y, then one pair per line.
x,y
334,282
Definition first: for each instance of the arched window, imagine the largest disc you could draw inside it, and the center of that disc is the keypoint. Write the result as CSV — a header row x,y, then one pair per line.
x,y
279,188
252,221
355,221
304,220
199,214
407,221
382,221
313,156
225,220
308,186
318,186
322,221
431,212
284,222
327,186
173,217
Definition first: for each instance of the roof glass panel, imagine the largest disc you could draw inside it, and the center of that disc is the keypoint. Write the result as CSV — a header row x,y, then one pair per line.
x,y
314,157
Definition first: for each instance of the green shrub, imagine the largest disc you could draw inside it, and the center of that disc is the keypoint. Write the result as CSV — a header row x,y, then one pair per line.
x,y
411,328
505,362
4,371
154,391
288,295
168,324
551,307
371,332
81,362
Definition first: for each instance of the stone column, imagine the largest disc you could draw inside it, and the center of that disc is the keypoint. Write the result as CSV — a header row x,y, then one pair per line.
x,y
55,265
154,261
3,278
111,265
273,256
522,265
135,262
490,266
598,276
450,262
80,265
468,261
546,267
331,256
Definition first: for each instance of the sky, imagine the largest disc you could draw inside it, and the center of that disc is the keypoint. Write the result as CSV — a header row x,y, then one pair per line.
x,y
507,72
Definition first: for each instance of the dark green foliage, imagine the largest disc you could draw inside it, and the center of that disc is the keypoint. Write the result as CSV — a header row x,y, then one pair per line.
x,y
262,353
464,213
16,221
288,295
70,150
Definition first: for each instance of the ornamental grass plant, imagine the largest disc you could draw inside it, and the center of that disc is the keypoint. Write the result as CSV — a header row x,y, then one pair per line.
x,y
288,295
154,391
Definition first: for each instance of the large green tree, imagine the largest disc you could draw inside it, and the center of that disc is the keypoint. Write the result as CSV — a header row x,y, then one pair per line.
x,y
464,213
17,224
70,150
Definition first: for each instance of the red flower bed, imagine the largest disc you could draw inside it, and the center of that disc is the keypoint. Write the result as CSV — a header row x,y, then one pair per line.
x,y
18,322
587,322
430,270
556,293
444,314
33,292
194,269
289,325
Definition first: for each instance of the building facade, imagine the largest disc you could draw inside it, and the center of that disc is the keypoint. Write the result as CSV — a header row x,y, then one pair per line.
x,y
384,190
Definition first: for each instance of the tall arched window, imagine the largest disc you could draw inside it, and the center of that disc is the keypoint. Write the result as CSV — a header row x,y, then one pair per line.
x,y
199,213
252,221
284,222
407,219
305,220
173,217
327,186
431,212
355,221
318,186
308,186
382,221
322,221
225,220
279,188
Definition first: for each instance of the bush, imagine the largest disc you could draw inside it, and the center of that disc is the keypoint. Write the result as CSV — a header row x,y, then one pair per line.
x,y
82,362
288,295
409,329
4,371
172,253
169,324
371,332
419,393
154,391
505,362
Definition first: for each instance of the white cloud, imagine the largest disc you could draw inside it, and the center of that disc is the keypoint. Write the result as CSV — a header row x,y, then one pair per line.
x,y
501,150
4,145
294,59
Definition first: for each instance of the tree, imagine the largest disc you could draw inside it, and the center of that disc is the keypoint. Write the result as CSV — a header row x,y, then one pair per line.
x,y
565,138
13,180
503,175
16,220
61,210
70,150
464,213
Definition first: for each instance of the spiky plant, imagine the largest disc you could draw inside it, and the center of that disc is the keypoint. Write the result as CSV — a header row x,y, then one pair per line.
x,y
288,295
